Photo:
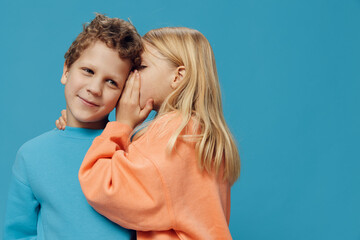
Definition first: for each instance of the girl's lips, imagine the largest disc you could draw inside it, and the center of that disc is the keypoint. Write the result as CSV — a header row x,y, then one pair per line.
x,y
88,103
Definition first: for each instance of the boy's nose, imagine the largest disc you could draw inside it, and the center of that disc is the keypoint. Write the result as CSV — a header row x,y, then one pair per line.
x,y
95,87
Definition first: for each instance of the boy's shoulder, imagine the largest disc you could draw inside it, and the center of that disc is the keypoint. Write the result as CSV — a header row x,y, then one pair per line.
x,y
28,156
39,142
57,139
51,148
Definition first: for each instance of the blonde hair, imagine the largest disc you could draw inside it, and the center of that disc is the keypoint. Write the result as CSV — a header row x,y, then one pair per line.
x,y
199,97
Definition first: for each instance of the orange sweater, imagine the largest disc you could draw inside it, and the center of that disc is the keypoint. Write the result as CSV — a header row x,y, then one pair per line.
x,y
142,187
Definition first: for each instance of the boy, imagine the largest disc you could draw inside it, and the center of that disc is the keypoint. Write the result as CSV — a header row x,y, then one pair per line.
x,y
45,199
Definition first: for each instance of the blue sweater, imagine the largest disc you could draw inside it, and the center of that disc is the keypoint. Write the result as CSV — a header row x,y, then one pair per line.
x,y
45,199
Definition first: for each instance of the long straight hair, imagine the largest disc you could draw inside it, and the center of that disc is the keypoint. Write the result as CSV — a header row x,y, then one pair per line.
x,y
197,97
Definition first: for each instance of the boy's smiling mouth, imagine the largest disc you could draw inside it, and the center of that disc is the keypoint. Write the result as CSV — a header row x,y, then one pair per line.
x,y
88,103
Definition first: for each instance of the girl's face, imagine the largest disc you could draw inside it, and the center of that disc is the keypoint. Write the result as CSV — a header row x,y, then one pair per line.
x,y
156,74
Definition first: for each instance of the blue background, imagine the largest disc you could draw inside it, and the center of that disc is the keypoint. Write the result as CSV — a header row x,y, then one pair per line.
x,y
290,78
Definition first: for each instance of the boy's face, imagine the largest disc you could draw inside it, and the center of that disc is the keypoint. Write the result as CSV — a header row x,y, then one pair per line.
x,y
93,85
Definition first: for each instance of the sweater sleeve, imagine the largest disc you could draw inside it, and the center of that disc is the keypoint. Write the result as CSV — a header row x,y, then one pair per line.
x,y
144,187
22,207
122,184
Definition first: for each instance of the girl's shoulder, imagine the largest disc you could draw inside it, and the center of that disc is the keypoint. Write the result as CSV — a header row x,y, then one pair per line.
x,y
167,119
166,125
172,121
171,126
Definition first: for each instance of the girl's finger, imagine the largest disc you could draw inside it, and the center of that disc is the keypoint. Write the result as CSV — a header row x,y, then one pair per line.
x,y
136,88
63,114
147,109
57,124
131,84
62,123
128,85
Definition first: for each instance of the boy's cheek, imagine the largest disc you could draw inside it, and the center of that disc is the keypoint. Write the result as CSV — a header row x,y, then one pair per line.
x,y
112,101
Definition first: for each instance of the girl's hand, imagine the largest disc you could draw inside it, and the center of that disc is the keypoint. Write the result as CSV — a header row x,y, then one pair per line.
x,y
61,122
128,110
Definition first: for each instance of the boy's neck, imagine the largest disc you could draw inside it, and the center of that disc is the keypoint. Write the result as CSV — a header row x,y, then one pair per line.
x,y
89,125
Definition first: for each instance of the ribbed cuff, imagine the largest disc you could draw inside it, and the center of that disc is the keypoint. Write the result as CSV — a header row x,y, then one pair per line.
x,y
116,129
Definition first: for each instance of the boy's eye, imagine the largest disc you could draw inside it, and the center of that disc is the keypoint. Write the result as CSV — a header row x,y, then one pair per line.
x,y
88,70
112,82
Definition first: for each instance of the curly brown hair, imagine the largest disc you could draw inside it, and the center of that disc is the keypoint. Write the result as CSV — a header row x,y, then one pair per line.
x,y
116,33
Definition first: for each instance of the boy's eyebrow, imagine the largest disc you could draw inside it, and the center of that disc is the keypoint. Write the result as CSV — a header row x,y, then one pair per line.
x,y
87,64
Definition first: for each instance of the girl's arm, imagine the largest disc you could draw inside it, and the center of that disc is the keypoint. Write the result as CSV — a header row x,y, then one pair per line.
x,y
143,187
122,184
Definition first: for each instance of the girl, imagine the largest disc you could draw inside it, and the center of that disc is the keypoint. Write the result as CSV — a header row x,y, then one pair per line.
x,y
173,180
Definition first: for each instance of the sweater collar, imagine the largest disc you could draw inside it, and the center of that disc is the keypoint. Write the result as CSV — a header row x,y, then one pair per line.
x,y
75,132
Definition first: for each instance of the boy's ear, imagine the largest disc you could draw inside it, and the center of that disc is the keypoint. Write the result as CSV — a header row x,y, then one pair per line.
x,y
179,76
65,74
